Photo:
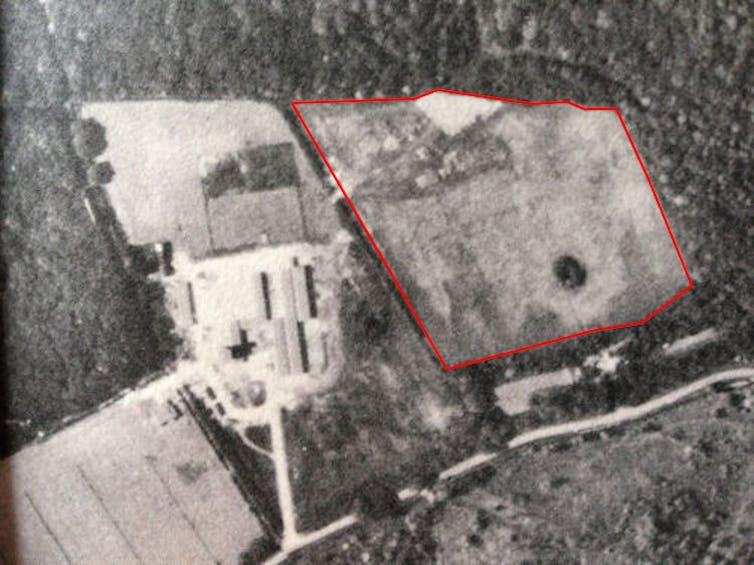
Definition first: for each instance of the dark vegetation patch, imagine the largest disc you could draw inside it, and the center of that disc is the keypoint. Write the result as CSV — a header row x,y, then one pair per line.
x,y
191,472
642,375
258,551
370,435
697,158
569,271
253,169
260,436
303,50
407,539
224,177
639,498
270,166
78,325
100,173
253,472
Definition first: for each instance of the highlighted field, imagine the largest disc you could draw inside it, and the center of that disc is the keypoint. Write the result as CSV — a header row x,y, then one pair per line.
x,y
506,225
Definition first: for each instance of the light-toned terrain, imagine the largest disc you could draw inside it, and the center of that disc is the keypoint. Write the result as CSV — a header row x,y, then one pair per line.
x,y
130,484
473,223
160,150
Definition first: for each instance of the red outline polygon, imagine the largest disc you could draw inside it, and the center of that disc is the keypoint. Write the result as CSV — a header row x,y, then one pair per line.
x,y
445,366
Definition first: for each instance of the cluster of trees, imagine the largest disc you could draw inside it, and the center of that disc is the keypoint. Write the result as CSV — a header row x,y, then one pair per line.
x,y
681,528
392,46
405,539
89,139
365,324
368,438
89,142
253,472
309,49
640,376
78,326
254,48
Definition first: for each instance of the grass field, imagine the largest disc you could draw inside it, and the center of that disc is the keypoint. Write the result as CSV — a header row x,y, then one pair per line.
x,y
158,150
653,491
675,488
515,192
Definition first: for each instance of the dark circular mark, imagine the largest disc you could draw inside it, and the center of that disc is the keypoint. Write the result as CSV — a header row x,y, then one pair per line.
x,y
569,271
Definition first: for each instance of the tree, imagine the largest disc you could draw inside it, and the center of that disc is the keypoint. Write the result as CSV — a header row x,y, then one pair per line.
x,y
378,499
497,428
143,259
224,176
100,173
88,138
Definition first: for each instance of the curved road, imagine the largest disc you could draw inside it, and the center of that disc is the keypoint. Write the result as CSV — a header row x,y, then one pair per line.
x,y
620,416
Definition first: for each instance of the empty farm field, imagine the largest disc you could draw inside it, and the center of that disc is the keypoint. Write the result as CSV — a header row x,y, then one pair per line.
x,y
509,226
164,153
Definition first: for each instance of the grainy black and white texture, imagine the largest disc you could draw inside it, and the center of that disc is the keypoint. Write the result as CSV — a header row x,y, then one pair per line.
x,y
79,325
